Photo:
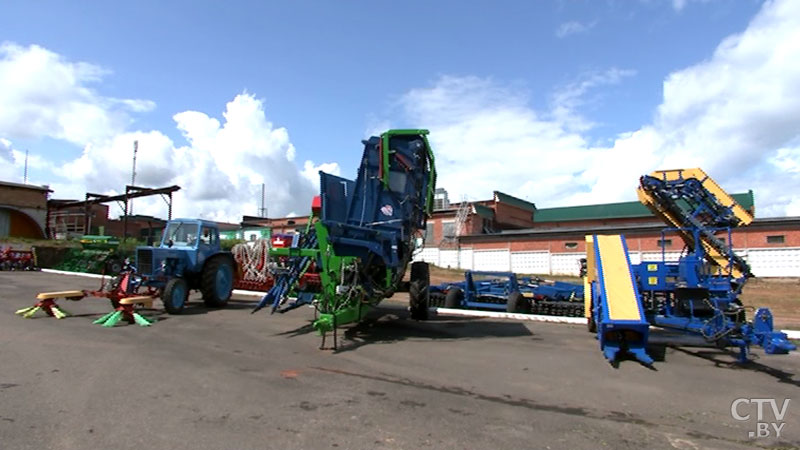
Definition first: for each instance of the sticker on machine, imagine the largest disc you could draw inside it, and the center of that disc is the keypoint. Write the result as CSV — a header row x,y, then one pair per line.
x,y
387,210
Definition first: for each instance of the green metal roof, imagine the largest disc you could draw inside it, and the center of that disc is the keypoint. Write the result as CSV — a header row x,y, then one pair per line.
x,y
615,210
483,211
518,202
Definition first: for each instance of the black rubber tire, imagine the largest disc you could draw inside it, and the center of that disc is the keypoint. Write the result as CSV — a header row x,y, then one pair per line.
x,y
453,298
591,325
517,303
418,294
113,266
208,282
174,284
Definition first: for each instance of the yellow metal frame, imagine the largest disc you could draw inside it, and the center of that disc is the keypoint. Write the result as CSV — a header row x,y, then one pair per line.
x,y
591,275
61,294
621,298
712,187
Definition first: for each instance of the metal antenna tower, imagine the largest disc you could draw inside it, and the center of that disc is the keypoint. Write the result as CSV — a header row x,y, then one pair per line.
x,y
262,212
133,172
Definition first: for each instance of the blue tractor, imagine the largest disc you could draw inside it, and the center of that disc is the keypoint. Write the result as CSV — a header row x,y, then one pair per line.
x,y
189,257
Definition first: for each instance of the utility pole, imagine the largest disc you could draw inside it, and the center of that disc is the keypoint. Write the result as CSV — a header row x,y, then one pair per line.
x,y
263,210
133,172
25,176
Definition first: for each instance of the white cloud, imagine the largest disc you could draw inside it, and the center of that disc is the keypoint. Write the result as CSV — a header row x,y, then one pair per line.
x,y
311,172
485,138
220,171
43,94
679,5
573,27
567,100
220,167
8,171
736,115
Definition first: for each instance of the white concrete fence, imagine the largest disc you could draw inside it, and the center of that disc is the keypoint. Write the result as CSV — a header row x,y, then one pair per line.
x,y
764,262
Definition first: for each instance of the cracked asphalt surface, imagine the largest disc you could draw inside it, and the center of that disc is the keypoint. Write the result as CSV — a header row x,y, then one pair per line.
x,y
228,379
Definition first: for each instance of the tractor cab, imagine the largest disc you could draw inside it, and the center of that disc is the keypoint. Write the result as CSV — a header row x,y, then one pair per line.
x,y
198,238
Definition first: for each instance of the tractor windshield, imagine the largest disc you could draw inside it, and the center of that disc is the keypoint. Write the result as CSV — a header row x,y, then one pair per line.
x,y
180,234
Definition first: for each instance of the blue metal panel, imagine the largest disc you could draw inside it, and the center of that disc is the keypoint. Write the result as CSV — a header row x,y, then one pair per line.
x,y
365,217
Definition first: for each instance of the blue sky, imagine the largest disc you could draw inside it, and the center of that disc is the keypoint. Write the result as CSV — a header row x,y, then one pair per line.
x,y
583,79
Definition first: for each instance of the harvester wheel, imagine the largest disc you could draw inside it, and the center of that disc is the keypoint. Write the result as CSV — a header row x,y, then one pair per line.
x,y
590,322
453,298
418,293
517,303
175,294
217,282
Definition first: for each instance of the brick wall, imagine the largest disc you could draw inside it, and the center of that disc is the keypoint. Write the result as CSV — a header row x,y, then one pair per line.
x,y
597,222
22,197
512,216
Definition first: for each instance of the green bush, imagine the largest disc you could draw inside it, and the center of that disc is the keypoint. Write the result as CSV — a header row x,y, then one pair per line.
x,y
227,244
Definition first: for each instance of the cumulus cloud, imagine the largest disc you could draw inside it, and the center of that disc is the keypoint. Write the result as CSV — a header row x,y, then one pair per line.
x,y
7,169
45,95
573,27
486,138
220,165
220,169
737,115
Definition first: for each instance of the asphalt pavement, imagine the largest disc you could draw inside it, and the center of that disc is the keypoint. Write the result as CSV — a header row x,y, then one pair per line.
x,y
228,379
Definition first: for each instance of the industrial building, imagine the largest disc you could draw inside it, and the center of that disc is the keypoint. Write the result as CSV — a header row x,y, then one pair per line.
x,y
495,235
23,210
501,233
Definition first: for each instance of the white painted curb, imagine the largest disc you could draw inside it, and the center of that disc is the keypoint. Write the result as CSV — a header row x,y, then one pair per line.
x,y
258,294
94,275
792,334
77,274
512,316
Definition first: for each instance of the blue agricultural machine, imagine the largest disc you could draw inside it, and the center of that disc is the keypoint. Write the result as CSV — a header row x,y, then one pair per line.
x,y
697,295
362,236
507,291
189,257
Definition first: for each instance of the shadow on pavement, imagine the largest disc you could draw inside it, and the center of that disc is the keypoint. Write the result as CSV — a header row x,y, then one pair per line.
x,y
389,325
714,356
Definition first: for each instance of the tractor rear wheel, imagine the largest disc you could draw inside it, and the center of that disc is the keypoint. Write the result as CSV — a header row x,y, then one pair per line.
x,y
453,298
216,283
517,303
418,294
175,294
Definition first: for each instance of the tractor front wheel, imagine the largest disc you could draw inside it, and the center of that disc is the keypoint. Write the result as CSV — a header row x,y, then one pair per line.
x,y
418,294
175,294
217,282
